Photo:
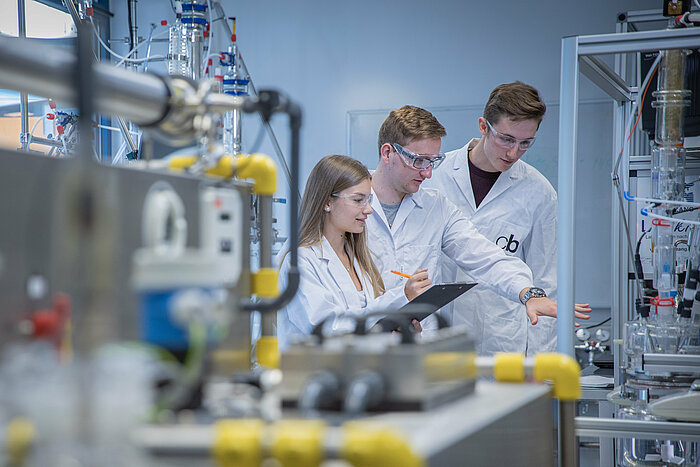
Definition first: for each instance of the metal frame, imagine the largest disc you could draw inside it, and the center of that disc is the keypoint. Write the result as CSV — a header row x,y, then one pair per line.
x,y
23,96
579,54
574,49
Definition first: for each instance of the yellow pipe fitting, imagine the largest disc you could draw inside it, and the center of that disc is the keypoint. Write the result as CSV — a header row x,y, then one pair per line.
x,y
238,442
264,283
260,168
563,370
180,163
509,367
448,366
224,168
268,352
367,445
298,443
19,437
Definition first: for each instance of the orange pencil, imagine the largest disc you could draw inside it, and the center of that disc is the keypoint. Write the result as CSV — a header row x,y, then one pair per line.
x,y
408,276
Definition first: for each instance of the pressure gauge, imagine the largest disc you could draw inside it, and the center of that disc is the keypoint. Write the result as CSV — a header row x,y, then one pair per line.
x,y
582,334
602,335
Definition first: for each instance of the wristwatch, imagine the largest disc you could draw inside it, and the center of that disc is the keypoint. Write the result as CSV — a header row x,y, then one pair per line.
x,y
532,292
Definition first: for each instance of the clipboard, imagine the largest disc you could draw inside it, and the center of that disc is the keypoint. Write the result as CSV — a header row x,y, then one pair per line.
x,y
435,298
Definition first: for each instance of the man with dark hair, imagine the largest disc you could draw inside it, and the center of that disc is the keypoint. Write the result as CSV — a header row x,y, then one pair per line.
x,y
515,207
411,226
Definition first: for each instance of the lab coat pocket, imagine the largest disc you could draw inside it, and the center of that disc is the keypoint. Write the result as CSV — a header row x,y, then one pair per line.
x,y
420,256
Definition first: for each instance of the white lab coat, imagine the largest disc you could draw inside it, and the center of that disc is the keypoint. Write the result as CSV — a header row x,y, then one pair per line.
x,y
428,223
519,214
327,290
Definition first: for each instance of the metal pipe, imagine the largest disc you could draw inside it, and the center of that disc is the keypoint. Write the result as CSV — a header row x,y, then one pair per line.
x,y
133,28
268,320
73,11
23,96
236,132
568,449
124,129
46,142
620,263
221,103
672,363
270,102
48,71
639,429
83,77
568,116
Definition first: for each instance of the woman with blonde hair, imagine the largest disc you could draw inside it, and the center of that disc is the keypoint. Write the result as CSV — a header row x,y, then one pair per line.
x,y
337,274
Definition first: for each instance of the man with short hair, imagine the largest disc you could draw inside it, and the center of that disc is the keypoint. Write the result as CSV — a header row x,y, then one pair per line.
x,y
515,207
411,226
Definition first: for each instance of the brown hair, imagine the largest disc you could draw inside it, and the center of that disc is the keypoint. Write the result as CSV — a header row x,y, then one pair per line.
x,y
409,123
333,174
517,101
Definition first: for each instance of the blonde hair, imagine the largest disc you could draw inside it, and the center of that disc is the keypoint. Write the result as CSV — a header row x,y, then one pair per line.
x,y
331,175
409,123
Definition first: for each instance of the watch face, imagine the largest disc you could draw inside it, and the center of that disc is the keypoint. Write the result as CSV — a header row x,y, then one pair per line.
x,y
533,292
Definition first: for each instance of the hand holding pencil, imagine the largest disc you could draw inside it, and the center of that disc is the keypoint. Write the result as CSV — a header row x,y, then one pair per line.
x,y
417,283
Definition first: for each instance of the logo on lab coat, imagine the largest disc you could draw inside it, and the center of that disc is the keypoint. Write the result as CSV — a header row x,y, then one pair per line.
x,y
509,244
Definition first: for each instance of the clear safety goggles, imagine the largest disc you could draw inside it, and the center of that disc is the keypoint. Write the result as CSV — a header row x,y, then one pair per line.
x,y
419,161
508,142
356,199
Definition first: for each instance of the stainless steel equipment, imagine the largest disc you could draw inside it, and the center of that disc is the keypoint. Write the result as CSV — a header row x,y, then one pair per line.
x,y
336,372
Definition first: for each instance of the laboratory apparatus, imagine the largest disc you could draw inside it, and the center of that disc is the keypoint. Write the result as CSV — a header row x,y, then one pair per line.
x,y
655,320
128,289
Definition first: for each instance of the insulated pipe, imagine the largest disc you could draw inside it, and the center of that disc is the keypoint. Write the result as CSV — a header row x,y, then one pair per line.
x,y
170,103
48,71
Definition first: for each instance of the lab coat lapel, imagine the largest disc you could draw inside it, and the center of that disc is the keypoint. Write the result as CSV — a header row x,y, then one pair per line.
x,y
339,274
367,288
504,182
408,204
460,174
379,211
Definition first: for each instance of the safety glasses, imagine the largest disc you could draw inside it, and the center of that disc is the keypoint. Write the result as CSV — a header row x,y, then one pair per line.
x,y
419,161
357,200
508,142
